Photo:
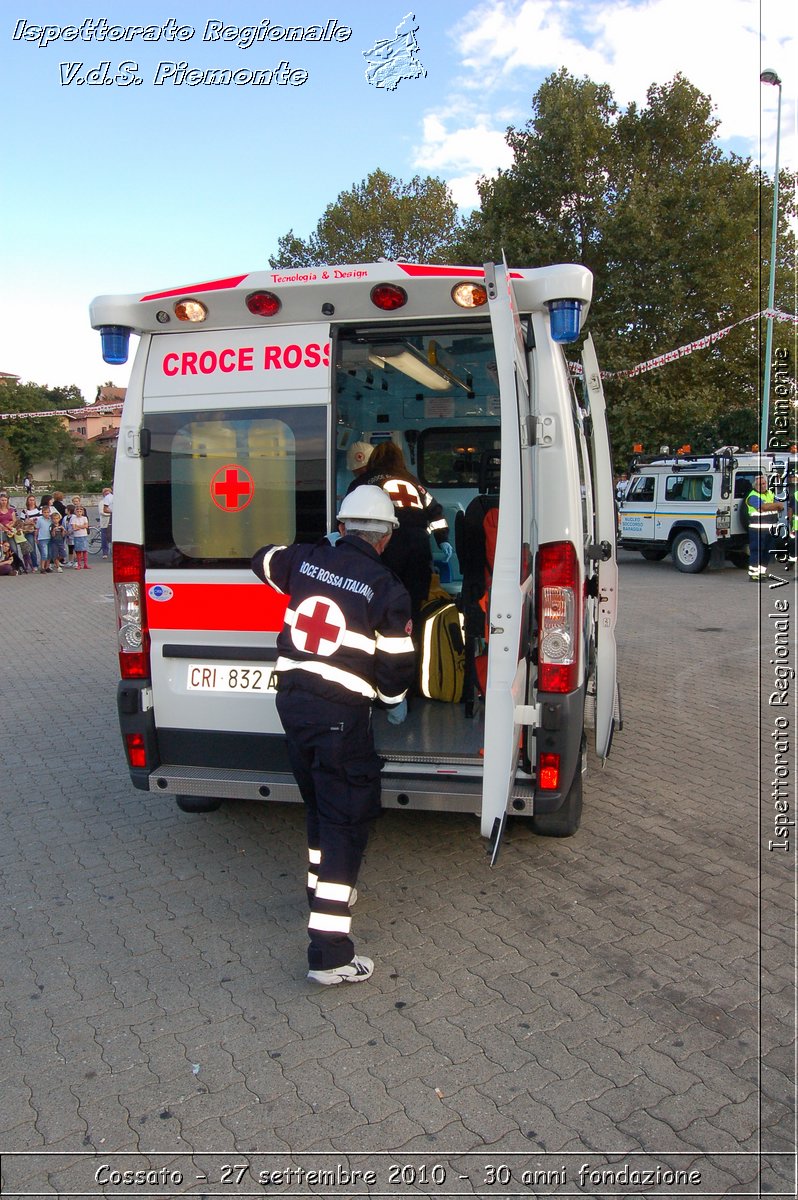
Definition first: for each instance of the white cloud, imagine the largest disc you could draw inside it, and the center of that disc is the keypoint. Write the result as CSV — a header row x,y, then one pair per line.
x,y
509,46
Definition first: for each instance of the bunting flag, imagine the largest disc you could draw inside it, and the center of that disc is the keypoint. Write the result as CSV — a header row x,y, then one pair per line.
x,y
87,410
699,344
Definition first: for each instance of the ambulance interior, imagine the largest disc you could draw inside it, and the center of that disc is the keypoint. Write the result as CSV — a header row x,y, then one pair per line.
x,y
433,391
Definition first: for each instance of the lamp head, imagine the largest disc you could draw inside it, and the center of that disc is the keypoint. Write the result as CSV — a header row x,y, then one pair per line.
x,y
770,76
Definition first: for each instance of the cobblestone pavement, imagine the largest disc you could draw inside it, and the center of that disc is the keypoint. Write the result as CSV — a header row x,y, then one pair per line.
x,y
616,1002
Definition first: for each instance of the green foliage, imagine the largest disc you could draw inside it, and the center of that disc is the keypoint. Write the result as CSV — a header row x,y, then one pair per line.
x,y
672,231
36,439
379,218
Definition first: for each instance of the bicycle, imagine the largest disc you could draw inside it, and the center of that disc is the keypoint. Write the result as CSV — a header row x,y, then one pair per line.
x,y
95,541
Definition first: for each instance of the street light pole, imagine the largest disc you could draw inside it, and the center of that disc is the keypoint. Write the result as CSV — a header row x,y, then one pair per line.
x,y
771,77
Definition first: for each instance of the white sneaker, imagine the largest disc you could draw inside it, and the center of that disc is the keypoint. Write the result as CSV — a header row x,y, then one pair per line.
x,y
356,971
59,569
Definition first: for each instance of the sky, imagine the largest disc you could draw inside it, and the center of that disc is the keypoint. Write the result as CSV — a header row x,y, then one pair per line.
x,y
124,187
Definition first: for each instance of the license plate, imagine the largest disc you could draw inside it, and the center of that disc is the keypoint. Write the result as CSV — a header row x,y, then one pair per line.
x,y
243,677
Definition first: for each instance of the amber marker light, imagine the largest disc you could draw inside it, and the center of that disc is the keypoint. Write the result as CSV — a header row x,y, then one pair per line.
x,y
470,295
190,310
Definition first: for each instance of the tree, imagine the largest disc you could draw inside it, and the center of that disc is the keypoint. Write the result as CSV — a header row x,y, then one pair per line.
x,y
35,439
671,229
379,218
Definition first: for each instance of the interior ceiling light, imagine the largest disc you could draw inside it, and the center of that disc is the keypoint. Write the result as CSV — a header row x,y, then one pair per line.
x,y
406,359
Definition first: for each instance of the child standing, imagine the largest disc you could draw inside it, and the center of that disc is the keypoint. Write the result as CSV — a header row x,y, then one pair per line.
x,y
22,549
43,539
57,540
80,535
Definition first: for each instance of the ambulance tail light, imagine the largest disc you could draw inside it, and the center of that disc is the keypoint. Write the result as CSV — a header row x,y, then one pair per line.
x,y
565,317
549,772
133,634
559,617
114,340
136,750
470,295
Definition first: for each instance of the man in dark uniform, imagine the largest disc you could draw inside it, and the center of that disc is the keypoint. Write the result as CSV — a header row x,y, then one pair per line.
x,y
345,643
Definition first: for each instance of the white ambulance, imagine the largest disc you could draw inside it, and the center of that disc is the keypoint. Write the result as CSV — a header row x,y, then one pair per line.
x,y
244,396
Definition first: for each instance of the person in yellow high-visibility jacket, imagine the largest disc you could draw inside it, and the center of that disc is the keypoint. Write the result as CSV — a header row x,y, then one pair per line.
x,y
763,509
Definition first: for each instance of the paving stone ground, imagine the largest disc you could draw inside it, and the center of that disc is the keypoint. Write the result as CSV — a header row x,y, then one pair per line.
x,y
619,1001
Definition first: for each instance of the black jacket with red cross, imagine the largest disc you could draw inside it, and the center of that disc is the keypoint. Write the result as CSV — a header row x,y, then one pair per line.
x,y
416,509
347,629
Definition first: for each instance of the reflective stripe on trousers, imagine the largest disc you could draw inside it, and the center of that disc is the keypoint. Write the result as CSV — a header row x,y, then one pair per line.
x,y
332,755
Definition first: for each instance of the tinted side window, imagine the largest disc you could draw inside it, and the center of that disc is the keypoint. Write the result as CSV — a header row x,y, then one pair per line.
x,y
688,487
217,485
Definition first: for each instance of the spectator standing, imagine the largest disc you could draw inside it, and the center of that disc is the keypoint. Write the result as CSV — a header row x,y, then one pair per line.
x,y
80,534
57,540
43,538
106,520
29,515
21,548
8,516
27,483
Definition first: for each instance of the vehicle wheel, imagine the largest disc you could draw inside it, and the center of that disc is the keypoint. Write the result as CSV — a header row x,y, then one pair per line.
x,y
198,804
689,553
652,555
565,822
738,558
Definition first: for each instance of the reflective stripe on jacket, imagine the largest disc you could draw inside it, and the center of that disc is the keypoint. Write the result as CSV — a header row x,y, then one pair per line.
x,y
756,518
347,630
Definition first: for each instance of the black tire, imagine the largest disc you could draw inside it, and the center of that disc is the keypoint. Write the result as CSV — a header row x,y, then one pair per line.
x,y
198,804
655,555
689,553
565,821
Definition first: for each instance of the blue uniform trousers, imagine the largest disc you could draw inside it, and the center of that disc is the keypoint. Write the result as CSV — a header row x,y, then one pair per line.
x,y
760,544
331,750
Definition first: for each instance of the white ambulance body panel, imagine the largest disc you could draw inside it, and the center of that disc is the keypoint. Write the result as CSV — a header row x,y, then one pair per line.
x,y
234,434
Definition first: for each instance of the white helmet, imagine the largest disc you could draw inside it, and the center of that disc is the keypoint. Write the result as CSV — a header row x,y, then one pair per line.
x,y
368,507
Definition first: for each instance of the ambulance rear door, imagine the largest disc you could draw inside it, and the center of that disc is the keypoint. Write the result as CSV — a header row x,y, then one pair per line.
x,y
607,703
509,596
236,434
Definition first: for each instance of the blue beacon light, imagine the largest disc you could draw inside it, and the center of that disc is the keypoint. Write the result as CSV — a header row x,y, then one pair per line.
x,y
565,317
114,340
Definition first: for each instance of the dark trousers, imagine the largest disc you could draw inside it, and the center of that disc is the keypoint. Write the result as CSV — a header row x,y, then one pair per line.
x,y
331,750
760,544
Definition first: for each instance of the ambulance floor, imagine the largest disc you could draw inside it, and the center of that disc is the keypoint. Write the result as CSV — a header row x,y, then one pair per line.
x,y
432,730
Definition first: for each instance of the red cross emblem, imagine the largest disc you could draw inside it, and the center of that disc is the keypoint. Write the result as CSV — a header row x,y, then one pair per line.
x,y
319,626
232,488
403,494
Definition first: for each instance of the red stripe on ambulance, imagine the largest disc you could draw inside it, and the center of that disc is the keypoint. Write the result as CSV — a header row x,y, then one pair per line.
x,y
242,607
214,285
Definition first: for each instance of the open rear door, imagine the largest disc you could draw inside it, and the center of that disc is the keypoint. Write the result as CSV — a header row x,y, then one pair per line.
x,y
606,683
506,682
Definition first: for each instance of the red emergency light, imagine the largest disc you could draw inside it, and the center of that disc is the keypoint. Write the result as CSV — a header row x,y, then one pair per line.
x,y
263,304
388,296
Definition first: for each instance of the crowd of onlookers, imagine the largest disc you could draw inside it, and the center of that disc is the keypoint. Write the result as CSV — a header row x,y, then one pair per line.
x,y
49,535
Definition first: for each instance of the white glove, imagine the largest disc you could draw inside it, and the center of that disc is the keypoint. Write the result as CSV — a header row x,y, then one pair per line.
x,y
446,550
398,713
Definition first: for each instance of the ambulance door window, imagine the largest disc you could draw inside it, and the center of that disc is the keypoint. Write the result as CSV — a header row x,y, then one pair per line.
x,y
219,485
